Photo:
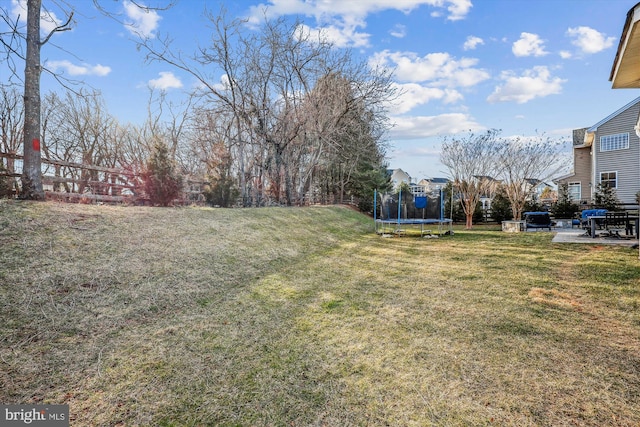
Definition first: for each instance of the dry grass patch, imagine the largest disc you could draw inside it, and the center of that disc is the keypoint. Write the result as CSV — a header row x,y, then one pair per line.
x,y
554,298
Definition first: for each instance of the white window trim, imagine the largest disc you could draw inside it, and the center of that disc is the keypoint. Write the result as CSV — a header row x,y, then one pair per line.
x,y
575,184
617,177
603,137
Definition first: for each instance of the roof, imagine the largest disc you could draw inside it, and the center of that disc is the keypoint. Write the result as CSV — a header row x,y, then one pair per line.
x,y
535,182
563,177
438,180
486,177
610,116
625,72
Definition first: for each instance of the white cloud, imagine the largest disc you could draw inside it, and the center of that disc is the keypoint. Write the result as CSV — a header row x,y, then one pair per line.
x,y
77,70
589,40
458,9
534,83
326,9
347,18
19,9
529,45
564,54
413,94
141,22
338,36
428,126
399,31
48,19
167,80
438,68
472,42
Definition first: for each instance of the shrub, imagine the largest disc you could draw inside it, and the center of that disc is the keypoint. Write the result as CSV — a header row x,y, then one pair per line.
x,y
162,181
564,207
501,208
221,192
605,197
534,205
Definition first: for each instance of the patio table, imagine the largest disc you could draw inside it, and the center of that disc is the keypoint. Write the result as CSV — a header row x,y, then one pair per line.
x,y
593,219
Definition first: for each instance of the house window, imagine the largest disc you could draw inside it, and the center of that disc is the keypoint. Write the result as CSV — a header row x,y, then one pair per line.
x,y
610,179
575,191
614,142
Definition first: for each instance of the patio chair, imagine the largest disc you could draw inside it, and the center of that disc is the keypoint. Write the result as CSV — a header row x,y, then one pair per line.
x,y
616,222
587,213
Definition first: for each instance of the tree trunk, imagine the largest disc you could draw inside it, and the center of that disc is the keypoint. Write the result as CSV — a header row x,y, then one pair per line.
x,y
32,173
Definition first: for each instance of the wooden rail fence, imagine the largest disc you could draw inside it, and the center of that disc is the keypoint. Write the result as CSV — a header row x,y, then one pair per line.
x,y
91,183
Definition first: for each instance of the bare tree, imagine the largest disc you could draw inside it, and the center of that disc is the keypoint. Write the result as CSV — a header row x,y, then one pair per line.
x,y
526,160
11,124
473,162
11,41
264,106
78,129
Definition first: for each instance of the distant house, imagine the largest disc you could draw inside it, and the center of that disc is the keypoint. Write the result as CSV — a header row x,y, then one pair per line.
x,y
492,188
537,187
425,185
609,153
430,184
398,176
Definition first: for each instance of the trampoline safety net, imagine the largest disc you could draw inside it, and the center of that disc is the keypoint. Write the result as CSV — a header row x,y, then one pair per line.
x,y
395,212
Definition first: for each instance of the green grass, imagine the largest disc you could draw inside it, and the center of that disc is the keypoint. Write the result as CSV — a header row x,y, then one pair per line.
x,y
295,317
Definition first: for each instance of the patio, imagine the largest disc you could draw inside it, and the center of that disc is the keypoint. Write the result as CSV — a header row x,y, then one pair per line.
x,y
569,235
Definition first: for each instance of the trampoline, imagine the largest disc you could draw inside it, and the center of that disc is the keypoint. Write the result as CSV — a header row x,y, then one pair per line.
x,y
396,213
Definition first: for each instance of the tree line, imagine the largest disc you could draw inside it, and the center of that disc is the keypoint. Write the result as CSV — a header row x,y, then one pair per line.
x,y
292,119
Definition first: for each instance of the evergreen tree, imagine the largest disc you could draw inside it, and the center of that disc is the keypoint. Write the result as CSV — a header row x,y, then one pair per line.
x,y
605,197
221,191
533,205
367,179
564,207
501,207
162,182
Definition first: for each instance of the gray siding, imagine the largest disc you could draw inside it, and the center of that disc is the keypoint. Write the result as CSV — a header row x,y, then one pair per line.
x,y
625,162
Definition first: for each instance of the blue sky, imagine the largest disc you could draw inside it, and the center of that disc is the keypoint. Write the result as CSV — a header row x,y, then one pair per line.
x,y
524,66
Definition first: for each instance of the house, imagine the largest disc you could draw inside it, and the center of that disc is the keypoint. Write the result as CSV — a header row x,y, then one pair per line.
x,y
625,72
398,176
431,184
537,188
580,176
607,153
491,185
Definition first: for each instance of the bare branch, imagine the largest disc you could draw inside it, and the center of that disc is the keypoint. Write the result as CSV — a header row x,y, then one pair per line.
x,y
60,28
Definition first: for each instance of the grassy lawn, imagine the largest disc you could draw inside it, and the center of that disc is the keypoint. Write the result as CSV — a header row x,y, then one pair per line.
x,y
303,316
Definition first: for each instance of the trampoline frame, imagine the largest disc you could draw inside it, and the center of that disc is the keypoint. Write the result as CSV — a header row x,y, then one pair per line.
x,y
395,225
